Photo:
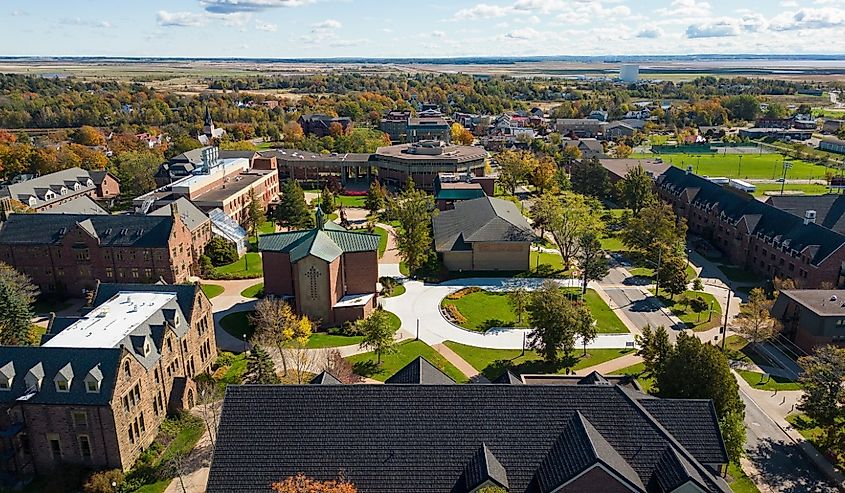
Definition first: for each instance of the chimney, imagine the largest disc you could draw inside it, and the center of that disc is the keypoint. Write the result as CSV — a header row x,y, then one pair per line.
x,y
174,209
809,217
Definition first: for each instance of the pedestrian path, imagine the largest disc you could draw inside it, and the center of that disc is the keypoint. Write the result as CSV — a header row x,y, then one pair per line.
x,y
460,363
616,364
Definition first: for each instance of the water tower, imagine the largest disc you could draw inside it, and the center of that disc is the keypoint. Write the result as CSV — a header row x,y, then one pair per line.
x,y
629,73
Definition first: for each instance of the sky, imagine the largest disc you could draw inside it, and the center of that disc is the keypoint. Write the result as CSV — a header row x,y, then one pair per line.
x,y
420,28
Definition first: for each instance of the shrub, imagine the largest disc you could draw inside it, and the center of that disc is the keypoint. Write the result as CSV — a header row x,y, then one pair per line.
x,y
101,481
221,252
224,358
456,314
463,292
346,329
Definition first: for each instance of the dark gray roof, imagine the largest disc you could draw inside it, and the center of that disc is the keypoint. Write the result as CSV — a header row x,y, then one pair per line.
x,y
104,362
830,208
118,230
388,438
420,371
325,378
822,302
485,219
82,204
484,467
38,185
762,219
508,378
678,416
185,294
97,176
593,378
673,470
192,216
326,243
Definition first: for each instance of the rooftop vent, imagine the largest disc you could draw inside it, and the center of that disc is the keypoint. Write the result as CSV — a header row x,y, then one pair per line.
x,y
833,297
809,217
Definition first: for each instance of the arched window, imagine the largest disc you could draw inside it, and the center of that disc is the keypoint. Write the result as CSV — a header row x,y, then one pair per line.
x,y
126,371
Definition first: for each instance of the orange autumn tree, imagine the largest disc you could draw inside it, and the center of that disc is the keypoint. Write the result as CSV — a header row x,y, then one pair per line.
x,y
303,484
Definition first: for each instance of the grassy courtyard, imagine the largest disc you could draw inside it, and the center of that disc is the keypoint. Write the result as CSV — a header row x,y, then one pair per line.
x,y
494,362
247,267
237,324
212,290
485,309
679,306
365,363
254,291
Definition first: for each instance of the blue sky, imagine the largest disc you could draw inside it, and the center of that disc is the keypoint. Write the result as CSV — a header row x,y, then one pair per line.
x,y
402,28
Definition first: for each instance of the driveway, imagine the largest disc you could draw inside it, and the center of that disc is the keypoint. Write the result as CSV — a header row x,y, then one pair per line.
x,y
419,311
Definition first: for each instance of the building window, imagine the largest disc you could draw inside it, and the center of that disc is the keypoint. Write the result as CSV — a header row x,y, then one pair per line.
x,y
84,446
135,274
80,419
126,371
92,386
5,384
55,446
61,385
82,254
109,272
131,435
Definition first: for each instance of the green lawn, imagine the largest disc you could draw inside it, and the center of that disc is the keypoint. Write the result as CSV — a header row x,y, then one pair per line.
x,y
397,290
740,482
813,434
646,383
612,243
697,321
382,240
350,201
755,379
805,188
323,340
760,166
365,364
237,324
254,291
249,266
545,261
494,362
212,290
486,309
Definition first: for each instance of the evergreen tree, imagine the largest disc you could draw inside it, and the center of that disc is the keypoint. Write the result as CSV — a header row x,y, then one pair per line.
x,y
589,177
17,294
327,203
254,214
260,368
376,196
292,211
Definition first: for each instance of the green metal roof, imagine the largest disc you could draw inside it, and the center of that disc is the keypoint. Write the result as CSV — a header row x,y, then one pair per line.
x,y
459,194
326,244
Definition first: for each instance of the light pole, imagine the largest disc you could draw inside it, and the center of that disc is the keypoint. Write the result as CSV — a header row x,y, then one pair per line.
x,y
739,171
724,330
786,166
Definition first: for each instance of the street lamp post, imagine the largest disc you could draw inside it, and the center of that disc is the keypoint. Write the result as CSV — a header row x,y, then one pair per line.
x,y
724,329
786,166
245,345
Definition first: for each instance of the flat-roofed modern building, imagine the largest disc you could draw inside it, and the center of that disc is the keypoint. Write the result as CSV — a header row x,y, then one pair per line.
x,y
423,161
429,128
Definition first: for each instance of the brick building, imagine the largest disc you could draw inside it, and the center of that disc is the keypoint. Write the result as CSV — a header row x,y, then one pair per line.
x,y
754,235
812,317
97,390
330,273
42,193
69,253
320,125
423,161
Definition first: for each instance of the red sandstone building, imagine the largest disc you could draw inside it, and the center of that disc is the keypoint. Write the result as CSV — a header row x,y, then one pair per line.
x,y
754,235
97,390
69,253
330,273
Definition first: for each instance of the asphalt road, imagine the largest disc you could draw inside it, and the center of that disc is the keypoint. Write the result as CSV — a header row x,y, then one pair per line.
x,y
781,464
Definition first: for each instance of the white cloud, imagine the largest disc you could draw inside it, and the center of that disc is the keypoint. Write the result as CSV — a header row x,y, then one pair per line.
x,y
650,33
265,26
326,25
713,29
686,8
179,19
524,34
438,34
482,11
231,6
809,18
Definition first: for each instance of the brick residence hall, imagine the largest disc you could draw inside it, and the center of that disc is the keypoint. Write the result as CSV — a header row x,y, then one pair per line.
x,y
331,273
98,388
755,235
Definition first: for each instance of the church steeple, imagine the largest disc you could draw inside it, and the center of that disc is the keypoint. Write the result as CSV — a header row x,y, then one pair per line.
x,y
208,122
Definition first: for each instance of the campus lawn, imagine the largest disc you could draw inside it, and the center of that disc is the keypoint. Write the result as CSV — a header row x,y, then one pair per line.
x,y
350,201
636,371
696,321
382,240
237,324
755,379
254,291
247,267
494,362
323,340
612,243
805,188
212,290
365,363
754,166
486,309
740,482
813,434
545,262
397,290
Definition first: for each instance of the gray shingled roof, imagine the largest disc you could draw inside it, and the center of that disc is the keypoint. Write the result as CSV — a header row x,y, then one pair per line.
x,y
117,230
484,467
327,243
82,204
54,181
420,371
192,216
830,208
325,378
388,438
486,219
762,219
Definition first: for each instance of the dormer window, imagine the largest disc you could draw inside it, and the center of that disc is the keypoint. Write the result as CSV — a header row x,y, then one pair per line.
x,y
93,380
62,385
146,348
77,186
7,375
32,201
34,377
63,379
176,320
89,182
92,386
5,383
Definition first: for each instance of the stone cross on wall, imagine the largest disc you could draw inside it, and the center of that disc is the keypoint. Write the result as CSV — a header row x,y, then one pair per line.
x,y
313,274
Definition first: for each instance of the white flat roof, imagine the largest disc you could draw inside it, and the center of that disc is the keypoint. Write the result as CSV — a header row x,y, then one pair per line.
x,y
109,323
224,167
351,300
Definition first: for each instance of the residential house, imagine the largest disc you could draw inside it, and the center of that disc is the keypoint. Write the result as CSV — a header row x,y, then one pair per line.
x,y
580,127
589,148
618,130
811,317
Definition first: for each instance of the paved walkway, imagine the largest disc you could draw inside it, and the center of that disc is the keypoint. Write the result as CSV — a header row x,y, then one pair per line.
x,y
612,366
391,254
460,363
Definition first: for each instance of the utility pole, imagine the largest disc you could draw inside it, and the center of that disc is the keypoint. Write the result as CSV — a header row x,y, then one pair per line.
x,y
657,273
786,166
725,327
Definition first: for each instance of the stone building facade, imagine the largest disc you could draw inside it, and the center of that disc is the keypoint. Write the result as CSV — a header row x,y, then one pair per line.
x,y
98,401
69,253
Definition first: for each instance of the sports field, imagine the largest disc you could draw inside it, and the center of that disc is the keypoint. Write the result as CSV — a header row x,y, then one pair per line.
x,y
745,166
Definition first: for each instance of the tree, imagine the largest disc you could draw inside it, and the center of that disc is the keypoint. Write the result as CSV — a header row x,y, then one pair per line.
x,y
376,197
636,189
673,272
519,299
327,203
553,323
570,154
254,214
292,132
297,349
136,171
88,136
622,151
514,168
209,401
461,135
755,321
589,177
591,259
824,395
17,294
543,210
742,107
654,230
377,332
542,176
292,210
654,348
340,367
697,285
101,481
698,305
303,484
277,325
260,368
573,217
220,251
695,370
585,326
414,209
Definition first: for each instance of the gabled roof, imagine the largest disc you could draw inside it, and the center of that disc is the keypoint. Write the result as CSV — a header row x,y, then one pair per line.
x,y
781,226
118,230
830,208
81,204
485,219
673,471
325,378
327,243
388,438
484,467
191,215
508,378
39,185
420,371
593,378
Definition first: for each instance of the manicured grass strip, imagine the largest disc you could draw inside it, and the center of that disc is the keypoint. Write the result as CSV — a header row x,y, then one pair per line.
x,y
323,340
382,240
550,261
755,379
606,319
613,244
398,290
237,324
248,266
494,362
212,290
365,364
254,291
805,188
47,305
350,200
740,482
696,321
636,371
